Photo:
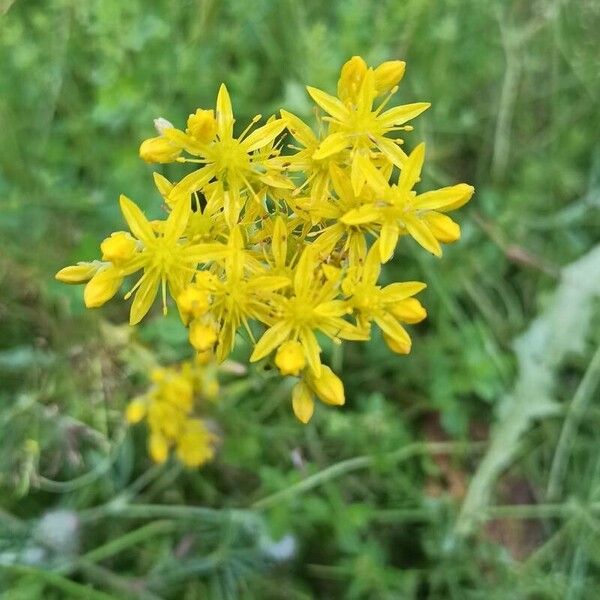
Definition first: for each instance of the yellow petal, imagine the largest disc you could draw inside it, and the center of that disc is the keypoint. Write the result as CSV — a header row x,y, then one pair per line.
x,y
311,349
299,129
388,240
305,270
191,183
177,220
368,213
401,114
302,402
332,144
411,169
396,292
357,178
144,296
263,135
279,242
372,266
446,198
102,287
179,139
392,151
163,185
390,326
330,104
273,337
224,114
138,224
372,175
422,235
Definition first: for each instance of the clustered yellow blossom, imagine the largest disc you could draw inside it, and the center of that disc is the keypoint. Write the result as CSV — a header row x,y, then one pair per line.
x,y
279,233
168,406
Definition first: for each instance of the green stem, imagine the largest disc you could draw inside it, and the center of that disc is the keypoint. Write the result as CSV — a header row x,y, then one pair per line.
x,y
584,392
361,462
73,589
129,539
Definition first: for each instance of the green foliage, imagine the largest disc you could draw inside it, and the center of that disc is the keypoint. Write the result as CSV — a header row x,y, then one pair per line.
x,y
372,500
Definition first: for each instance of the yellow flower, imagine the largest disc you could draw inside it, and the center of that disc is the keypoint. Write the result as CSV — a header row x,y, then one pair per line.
x,y
387,75
398,209
195,444
289,243
361,127
165,257
312,307
234,162
387,306
239,293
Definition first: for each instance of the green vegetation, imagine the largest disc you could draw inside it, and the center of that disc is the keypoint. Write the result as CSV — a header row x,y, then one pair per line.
x,y
468,469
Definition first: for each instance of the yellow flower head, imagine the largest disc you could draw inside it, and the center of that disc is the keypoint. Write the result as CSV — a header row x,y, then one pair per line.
x,y
282,246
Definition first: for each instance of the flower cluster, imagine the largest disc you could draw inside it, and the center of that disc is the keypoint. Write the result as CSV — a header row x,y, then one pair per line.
x,y
279,233
168,407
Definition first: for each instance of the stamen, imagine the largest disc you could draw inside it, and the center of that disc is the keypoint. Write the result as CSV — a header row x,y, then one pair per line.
x,y
183,159
386,100
136,286
255,120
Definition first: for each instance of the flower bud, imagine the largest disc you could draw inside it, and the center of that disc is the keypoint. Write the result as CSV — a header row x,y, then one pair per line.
x,y
158,448
396,345
118,248
409,311
161,125
159,150
290,358
80,273
302,402
388,75
136,411
102,287
444,229
351,77
202,125
203,336
194,446
193,302
328,387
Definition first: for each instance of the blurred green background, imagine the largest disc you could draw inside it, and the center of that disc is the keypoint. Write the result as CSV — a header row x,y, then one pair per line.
x,y
468,469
